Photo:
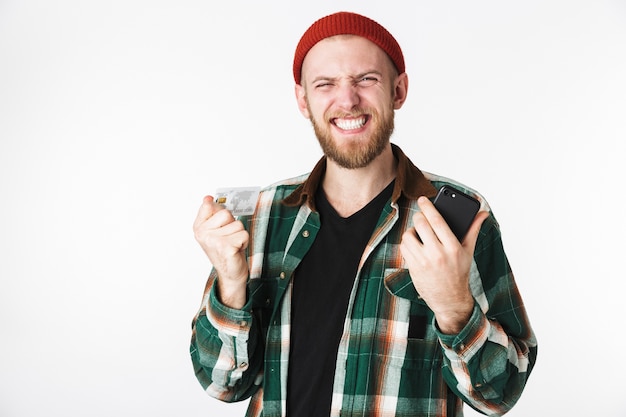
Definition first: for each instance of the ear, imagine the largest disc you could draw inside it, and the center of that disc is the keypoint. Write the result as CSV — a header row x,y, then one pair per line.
x,y
401,88
301,99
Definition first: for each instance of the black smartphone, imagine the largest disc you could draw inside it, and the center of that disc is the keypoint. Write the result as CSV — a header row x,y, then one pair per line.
x,y
457,208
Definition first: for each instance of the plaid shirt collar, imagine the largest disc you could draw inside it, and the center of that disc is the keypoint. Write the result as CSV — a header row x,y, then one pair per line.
x,y
410,181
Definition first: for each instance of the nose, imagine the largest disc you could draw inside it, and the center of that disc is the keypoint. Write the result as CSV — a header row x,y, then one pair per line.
x,y
347,96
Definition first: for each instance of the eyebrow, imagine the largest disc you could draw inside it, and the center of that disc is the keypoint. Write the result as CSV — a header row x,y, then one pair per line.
x,y
356,77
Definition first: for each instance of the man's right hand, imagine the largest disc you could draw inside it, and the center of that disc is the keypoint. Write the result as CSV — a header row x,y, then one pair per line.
x,y
224,240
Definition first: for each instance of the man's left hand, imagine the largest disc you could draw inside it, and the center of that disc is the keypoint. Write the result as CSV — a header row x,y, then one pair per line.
x,y
439,265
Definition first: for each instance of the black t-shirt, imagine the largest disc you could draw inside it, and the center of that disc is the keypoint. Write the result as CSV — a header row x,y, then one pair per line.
x,y
321,290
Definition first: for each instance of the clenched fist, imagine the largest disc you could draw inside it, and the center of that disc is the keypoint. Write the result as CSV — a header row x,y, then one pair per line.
x,y
224,240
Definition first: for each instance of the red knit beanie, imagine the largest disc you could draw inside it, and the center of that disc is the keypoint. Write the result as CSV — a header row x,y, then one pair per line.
x,y
346,23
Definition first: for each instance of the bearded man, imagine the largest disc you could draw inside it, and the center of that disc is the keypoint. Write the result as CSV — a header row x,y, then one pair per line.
x,y
346,293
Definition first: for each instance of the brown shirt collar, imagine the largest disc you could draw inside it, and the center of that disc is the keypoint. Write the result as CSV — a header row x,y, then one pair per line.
x,y
410,181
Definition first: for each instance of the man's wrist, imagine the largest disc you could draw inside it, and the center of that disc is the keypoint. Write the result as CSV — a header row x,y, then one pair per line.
x,y
232,294
452,322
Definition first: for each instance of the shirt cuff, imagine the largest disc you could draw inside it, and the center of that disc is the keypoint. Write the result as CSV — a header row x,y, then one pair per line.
x,y
231,321
470,339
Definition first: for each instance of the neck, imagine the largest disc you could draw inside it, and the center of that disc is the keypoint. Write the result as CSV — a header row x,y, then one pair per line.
x,y
349,190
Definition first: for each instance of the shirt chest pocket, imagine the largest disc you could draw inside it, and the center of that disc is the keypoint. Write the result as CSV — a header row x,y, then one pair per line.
x,y
409,344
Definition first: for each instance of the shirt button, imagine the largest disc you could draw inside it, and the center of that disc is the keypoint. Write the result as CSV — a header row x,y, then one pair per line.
x,y
282,275
243,364
462,346
243,323
305,233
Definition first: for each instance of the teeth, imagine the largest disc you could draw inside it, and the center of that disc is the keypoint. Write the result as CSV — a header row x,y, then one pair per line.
x,y
350,124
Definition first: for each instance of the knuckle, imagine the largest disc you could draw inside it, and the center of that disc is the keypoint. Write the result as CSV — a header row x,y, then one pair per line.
x,y
438,222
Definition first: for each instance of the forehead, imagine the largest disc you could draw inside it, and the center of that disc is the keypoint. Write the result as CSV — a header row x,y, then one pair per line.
x,y
345,54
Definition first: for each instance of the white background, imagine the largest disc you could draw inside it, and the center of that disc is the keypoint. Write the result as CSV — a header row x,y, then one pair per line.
x,y
117,117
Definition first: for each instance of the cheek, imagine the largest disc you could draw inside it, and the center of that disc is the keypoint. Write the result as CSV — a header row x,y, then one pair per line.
x,y
317,110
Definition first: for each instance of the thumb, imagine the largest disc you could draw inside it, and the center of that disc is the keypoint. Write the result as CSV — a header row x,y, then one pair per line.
x,y
474,230
208,208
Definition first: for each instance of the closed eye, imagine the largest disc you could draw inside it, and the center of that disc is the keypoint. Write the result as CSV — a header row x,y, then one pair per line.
x,y
323,83
368,79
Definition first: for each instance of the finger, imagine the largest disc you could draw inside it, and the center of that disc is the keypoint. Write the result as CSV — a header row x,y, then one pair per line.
x,y
410,237
234,243
210,234
220,218
208,208
222,241
205,210
410,245
223,228
240,240
437,223
429,224
472,234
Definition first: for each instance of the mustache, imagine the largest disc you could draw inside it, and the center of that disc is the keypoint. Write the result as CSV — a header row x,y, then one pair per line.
x,y
354,113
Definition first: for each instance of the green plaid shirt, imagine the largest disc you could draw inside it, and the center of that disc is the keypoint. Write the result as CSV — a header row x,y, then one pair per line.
x,y
380,371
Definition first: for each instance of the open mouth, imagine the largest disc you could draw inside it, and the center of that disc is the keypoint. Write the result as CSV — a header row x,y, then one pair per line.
x,y
350,123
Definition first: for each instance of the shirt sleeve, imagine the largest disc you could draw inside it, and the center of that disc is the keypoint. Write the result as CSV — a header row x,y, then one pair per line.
x,y
489,361
226,356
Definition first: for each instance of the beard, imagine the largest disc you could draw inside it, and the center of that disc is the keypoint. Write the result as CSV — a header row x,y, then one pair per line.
x,y
356,154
